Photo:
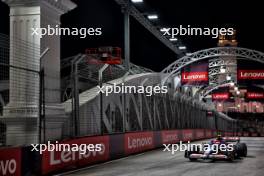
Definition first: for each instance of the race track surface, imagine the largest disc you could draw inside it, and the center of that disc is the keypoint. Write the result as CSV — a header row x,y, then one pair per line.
x,y
159,163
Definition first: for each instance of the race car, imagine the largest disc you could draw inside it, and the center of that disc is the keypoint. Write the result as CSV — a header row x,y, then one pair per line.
x,y
227,148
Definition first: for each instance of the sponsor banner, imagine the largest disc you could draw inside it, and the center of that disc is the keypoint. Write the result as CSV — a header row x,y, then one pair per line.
x,y
170,136
57,160
199,134
239,134
250,74
208,133
187,135
220,96
195,74
255,95
138,142
229,134
246,134
188,77
254,134
10,162
215,132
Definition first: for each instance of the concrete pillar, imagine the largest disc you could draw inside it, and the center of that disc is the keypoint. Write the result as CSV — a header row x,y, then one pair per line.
x,y
22,112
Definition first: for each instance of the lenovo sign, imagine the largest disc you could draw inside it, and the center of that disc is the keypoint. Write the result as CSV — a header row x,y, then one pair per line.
x,y
220,96
255,95
10,162
170,137
194,77
56,160
250,74
187,135
137,142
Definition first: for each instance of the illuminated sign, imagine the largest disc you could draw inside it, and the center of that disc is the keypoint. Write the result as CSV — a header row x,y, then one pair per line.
x,y
220,96
250,74
255,95
194,76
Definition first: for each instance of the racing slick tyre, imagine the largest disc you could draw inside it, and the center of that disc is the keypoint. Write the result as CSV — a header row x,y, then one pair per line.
x,y
239,149
244,151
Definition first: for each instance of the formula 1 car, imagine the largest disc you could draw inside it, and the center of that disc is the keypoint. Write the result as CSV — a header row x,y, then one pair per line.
x,y
213,150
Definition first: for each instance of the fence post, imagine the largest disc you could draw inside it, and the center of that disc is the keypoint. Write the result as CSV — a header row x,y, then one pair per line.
x,y
75,99
42,117
124,103
100,80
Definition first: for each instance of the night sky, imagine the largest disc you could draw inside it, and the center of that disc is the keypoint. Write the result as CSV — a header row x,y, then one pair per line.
x,y
245,16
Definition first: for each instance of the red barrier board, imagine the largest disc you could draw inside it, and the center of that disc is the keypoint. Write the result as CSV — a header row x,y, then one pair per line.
x,y
199,134
245,134
10,162
56,160
138,142
187,135
170,136
254,134
208,133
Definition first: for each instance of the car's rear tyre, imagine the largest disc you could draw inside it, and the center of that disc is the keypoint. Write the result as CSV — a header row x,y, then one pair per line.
x,y
244,152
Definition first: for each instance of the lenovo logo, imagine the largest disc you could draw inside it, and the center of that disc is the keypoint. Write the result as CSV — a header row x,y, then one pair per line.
x,y
69,156
187,136
250,74
220,96
255,95
8,167
194,76
139,142
170,138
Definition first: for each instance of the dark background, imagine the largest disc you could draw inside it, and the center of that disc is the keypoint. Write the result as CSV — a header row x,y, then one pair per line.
x,y
245,16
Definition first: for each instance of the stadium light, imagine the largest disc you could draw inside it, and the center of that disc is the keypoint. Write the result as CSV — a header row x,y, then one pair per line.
x,y
137,1
152,17
228,77
173,39
182,47
222,70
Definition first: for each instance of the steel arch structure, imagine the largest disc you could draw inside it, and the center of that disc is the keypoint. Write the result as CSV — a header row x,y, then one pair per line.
x,y
238,52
